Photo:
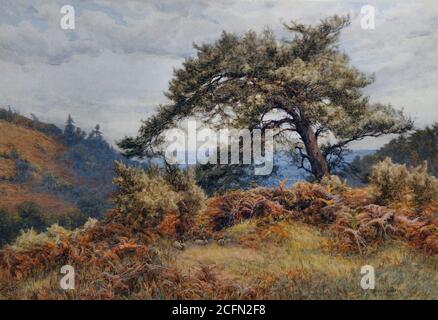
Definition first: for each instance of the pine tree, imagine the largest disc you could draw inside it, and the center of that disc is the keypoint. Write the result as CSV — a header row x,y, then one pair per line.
x,y
303,86
70,131
72,134
96,133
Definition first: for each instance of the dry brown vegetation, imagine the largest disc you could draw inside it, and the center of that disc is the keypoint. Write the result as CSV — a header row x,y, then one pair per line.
x,y
356,223
7,168
42,153
34,147
13,194
307,241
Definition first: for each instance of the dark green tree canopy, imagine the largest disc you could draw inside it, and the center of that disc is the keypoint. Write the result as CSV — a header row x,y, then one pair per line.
x,y
304,86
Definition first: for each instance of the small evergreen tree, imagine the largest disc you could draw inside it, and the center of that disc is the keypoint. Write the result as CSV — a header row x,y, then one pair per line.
x,y
69,131
72,134
96,133
79,134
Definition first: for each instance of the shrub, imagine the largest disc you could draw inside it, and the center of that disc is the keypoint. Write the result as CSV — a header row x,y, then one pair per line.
x,y
56,184
9,226
70,219
92,205
390,180
97,246
192,198
423,185
31,216
30,240
92,201
333,183
23,168
394,181
143,198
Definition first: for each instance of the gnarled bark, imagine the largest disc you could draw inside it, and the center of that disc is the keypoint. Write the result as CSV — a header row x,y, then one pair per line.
x,y
316,159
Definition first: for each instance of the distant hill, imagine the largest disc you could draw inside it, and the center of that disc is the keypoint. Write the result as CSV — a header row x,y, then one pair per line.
x,y
26,158
286,169
50,175
219,179
11,116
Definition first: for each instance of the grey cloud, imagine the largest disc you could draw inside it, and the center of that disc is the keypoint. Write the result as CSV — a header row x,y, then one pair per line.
x,y
114,67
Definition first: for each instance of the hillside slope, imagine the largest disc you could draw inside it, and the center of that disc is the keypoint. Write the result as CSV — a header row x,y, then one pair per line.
x,y
49,175
26,157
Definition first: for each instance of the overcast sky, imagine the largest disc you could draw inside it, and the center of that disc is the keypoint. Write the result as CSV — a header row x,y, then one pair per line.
x,y
113,68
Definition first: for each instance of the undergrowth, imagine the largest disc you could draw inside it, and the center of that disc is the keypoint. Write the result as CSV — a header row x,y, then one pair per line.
x,y
302,242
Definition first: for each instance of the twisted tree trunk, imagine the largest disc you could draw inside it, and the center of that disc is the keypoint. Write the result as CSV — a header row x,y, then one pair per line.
x,y
317,160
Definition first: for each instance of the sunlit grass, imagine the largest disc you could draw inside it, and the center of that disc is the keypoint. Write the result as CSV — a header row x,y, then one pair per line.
x,y
302,265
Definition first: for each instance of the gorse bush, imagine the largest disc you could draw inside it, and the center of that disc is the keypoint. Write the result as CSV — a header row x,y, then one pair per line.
x,y
30,240
145,197
390,180
423,185
192,197
394,182
333,183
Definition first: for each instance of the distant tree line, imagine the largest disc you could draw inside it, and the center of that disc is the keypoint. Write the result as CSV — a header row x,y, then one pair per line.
x,y
410,149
